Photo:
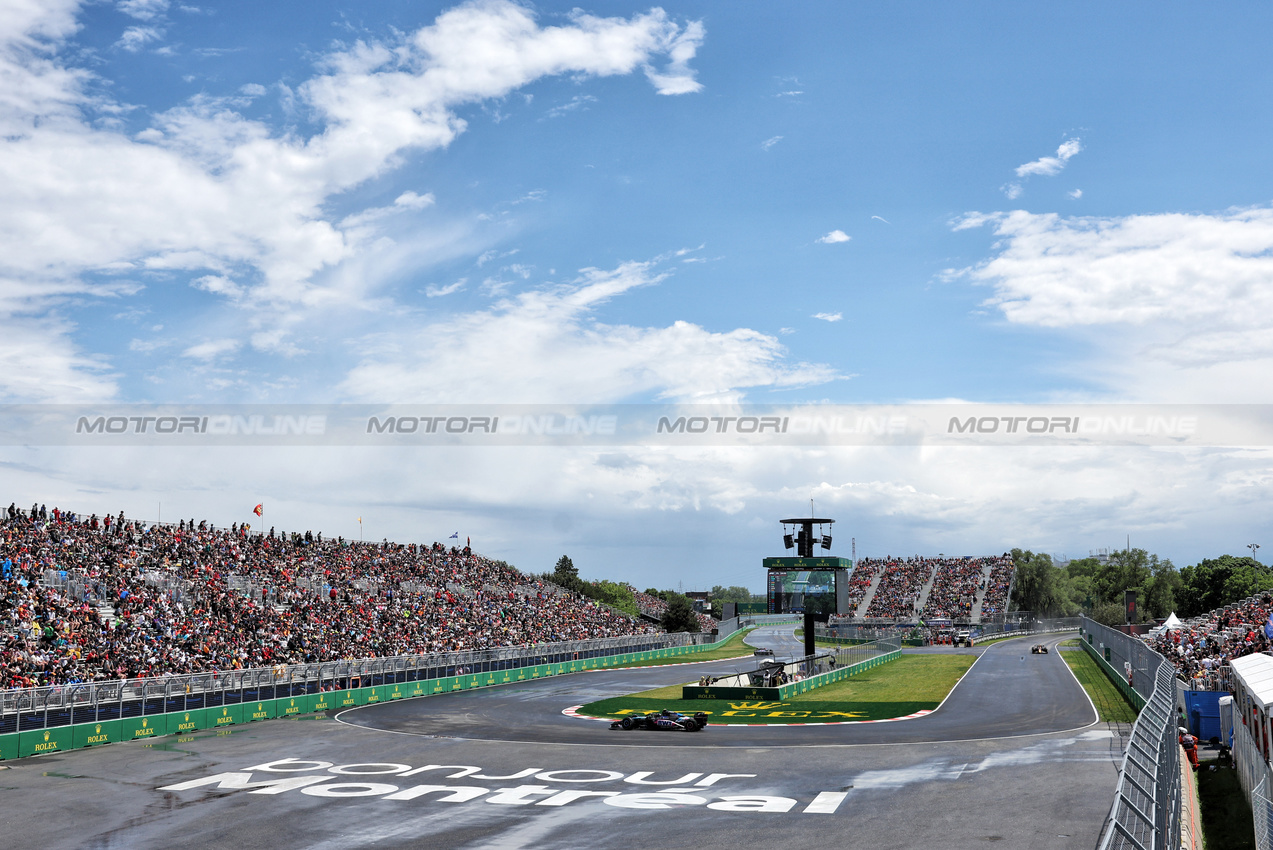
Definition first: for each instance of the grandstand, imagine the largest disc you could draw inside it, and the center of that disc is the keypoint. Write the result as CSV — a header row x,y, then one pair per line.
x,y
88,599
965,588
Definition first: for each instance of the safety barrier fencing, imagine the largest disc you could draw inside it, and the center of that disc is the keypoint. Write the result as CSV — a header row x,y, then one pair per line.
x,y
1146,814
53,719
780,681
1256,780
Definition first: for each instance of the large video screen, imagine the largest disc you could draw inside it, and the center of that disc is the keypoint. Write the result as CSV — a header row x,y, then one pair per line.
x,y
796,591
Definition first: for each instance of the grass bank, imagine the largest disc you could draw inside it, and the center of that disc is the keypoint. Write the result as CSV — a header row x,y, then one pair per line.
x,y
1109,702
911,683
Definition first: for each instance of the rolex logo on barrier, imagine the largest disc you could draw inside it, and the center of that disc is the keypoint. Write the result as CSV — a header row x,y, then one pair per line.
x,y
46,736
97,730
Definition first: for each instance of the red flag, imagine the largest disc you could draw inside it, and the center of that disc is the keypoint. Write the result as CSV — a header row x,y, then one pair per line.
x,y
259,509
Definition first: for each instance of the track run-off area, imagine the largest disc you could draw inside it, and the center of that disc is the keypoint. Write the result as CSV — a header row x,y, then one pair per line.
x,y
1014,757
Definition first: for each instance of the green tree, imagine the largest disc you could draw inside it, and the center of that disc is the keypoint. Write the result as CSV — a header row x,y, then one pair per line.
x,y
1128,569
1109,613
1037,587
1214,582
1160,591
734,593
679,616
565,568
616,596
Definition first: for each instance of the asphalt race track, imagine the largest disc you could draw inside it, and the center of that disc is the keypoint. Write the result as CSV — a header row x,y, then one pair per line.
x,y
1013,758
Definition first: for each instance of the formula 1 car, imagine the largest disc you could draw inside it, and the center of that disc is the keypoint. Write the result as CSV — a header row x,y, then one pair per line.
x,y
1039,648
664,719
764,650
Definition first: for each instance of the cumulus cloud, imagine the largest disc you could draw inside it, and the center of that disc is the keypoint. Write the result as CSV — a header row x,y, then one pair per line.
x,y
1048,166
1075,194
1189,290
547,345
207,191
1012,190
834,237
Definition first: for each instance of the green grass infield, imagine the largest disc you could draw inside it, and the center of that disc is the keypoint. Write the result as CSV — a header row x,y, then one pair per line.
x,y
900,688
1110,704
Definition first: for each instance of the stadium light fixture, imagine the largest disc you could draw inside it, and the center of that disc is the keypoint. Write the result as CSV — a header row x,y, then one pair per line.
x,y
1254,547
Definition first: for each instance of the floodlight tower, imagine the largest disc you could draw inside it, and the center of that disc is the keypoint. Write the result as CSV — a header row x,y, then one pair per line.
x,y
1254,547
803,539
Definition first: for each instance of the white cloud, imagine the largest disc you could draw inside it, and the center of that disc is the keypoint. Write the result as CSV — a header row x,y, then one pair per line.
x,y
788,93
135,38
253,90
680,47
546,345
1075,193
218,285
834,237
206,190
212,349
579,101
1012,190
1184,301
829,317
143,10
770,142
1048,166
432,291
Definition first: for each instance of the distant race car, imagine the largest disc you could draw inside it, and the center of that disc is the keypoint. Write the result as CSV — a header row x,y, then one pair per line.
x,y
764,650
1039,648
664,719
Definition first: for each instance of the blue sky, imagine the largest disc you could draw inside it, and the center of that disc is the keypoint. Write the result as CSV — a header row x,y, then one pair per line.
x,y
708,202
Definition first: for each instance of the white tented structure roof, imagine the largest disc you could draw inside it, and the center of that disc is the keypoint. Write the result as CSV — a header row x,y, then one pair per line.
x,y
1255,672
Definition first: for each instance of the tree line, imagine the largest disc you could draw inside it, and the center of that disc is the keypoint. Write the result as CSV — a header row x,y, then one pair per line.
x,y
679,616
1088,586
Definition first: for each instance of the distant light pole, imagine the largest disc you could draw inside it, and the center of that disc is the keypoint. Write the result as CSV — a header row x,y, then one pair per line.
x,y
1254,547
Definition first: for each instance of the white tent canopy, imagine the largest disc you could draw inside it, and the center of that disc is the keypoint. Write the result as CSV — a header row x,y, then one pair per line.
x,y
1172,622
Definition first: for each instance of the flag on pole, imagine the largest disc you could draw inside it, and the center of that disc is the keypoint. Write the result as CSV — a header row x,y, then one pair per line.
x,y
259,509
453,536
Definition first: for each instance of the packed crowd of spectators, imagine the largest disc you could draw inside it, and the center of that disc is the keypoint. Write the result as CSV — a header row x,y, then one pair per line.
x,y
864,572
999,586
898,592
955,588
1202,647
91,599
651,606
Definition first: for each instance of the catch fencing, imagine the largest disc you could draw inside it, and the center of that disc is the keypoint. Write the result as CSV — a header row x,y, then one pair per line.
x,y
1147,804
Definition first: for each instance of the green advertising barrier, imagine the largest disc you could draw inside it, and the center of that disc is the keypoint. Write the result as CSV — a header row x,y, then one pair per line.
x,y
184,722
93,734
21,745
132,728
350,698
45,741
259,710
226,715
291,706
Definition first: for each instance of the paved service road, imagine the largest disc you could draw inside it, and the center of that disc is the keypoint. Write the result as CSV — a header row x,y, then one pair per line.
x,y
1007,692
558,782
